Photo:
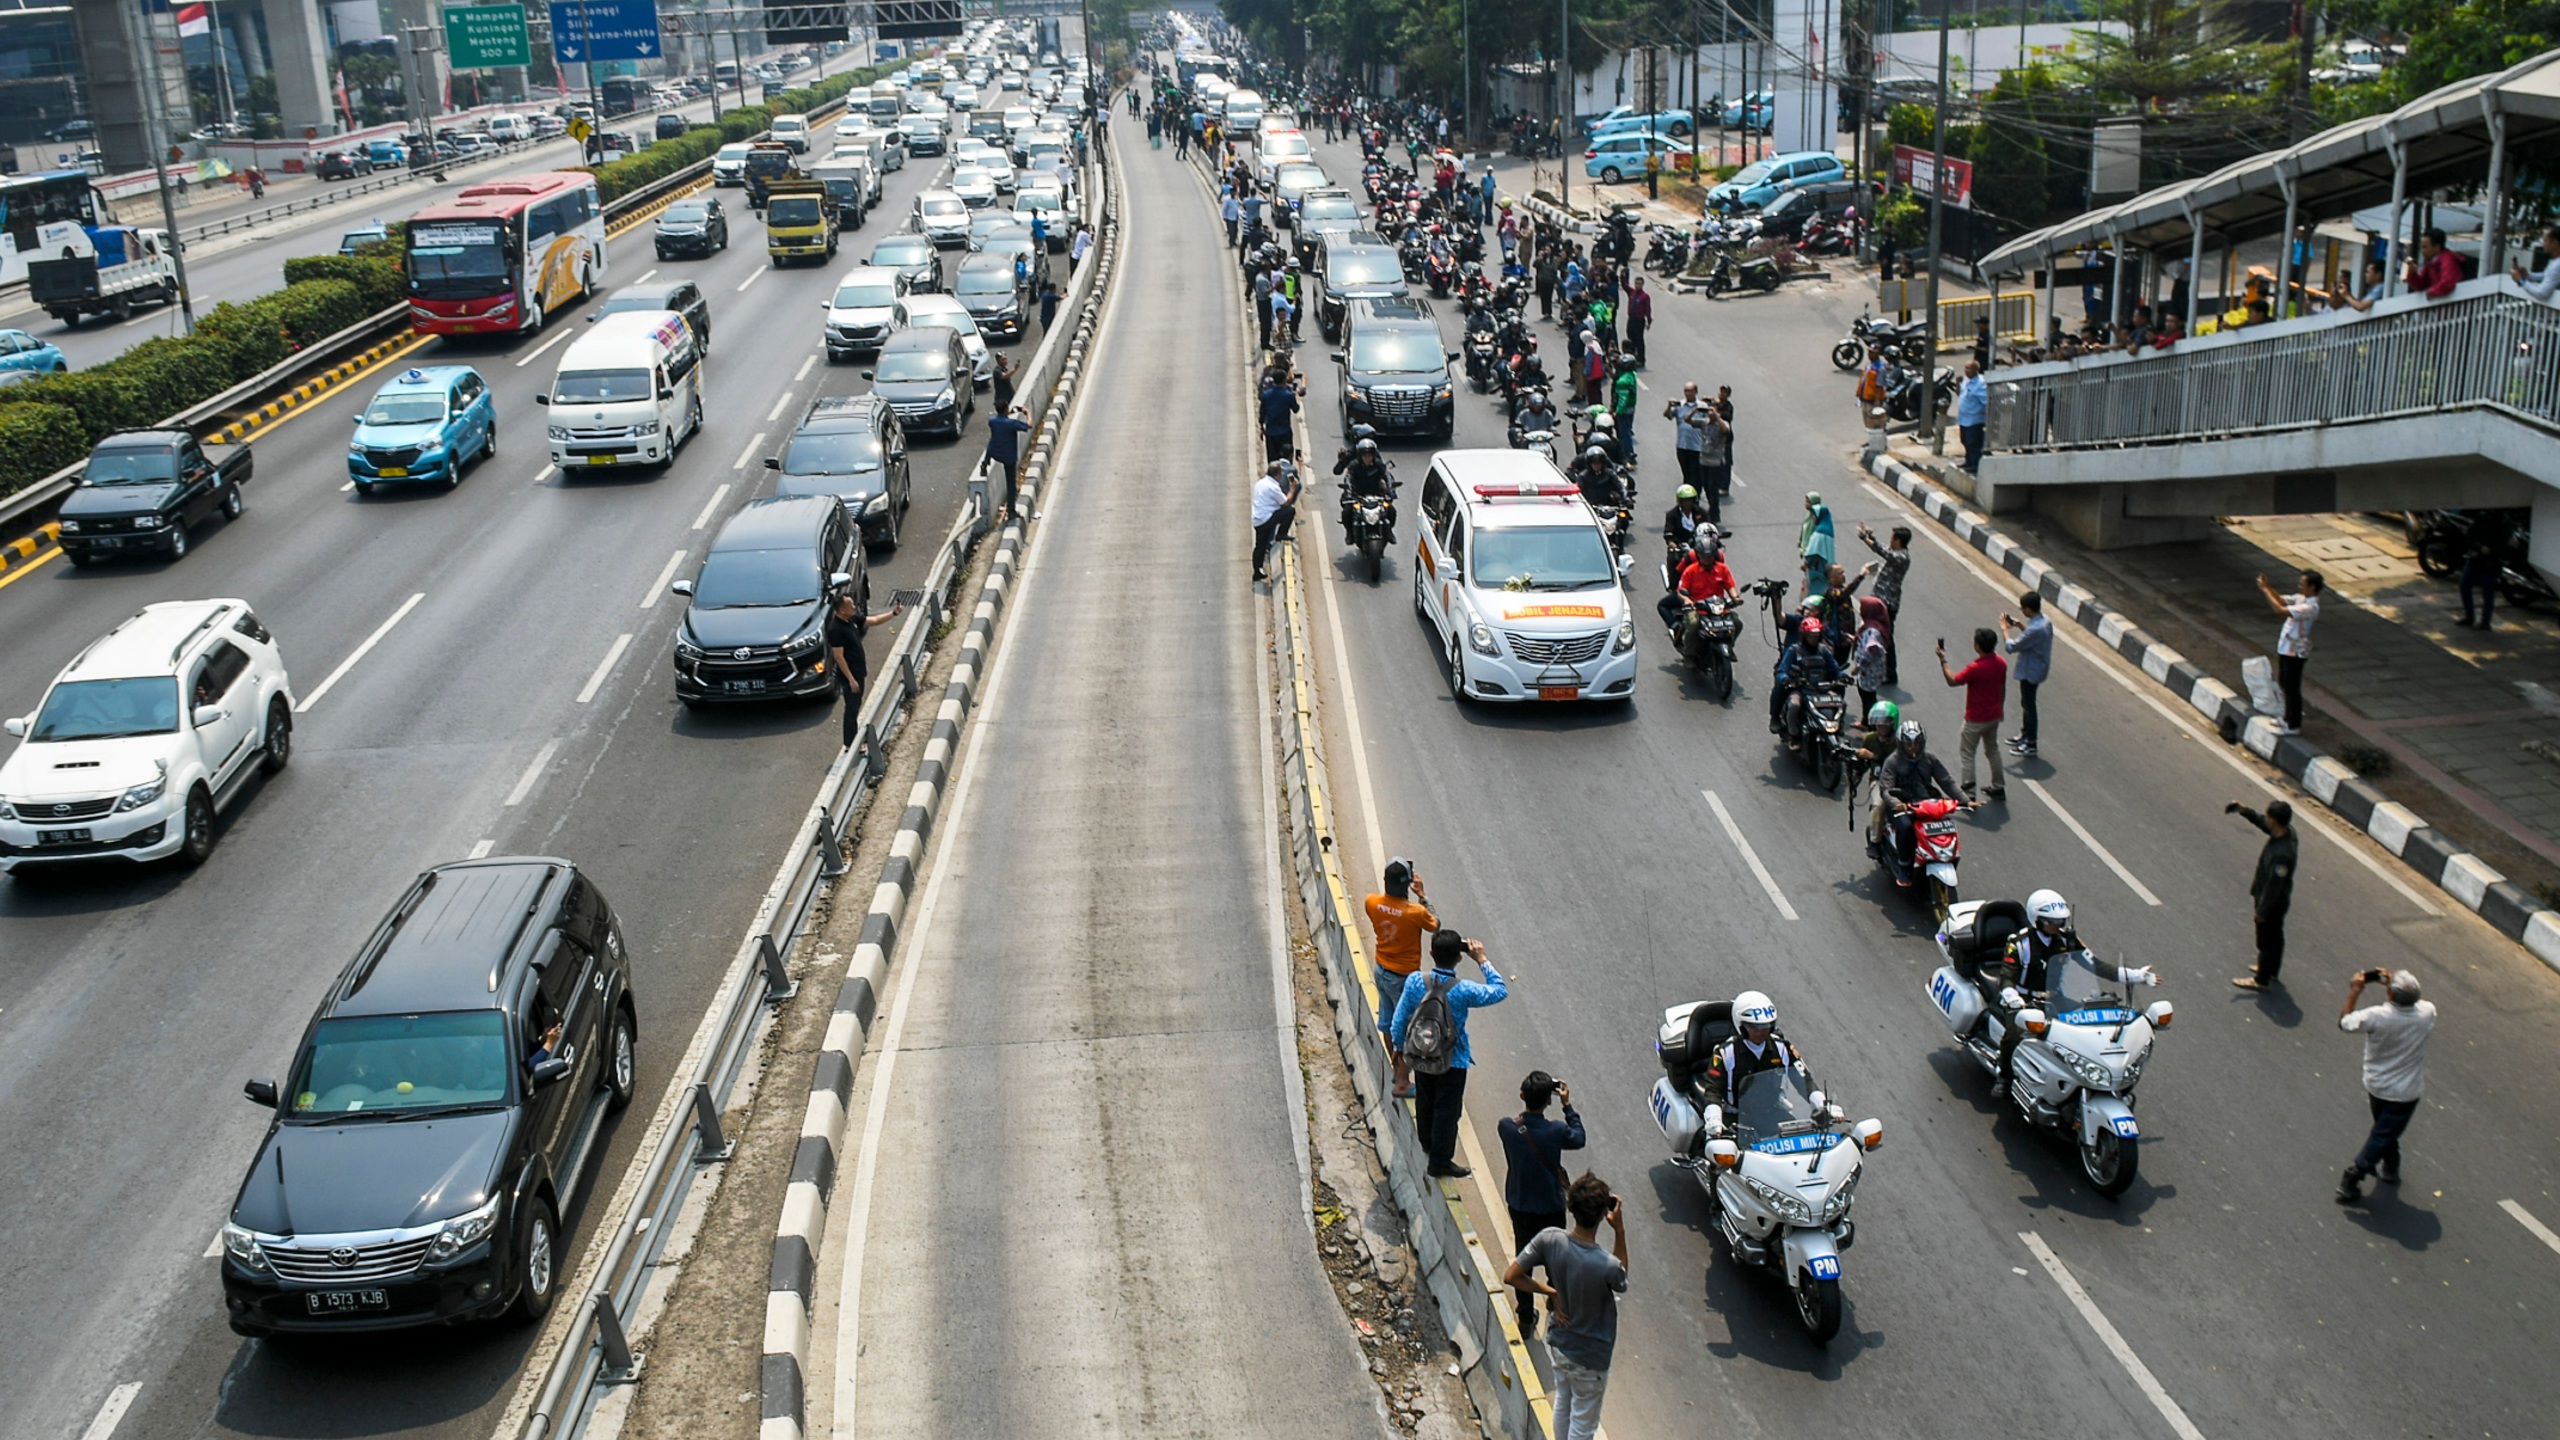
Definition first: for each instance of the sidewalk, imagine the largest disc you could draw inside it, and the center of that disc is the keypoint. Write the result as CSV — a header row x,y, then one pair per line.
x,y
2460,726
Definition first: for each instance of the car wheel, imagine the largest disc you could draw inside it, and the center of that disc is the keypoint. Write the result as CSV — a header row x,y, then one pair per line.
x,y
1417,594
622,1062
178,541
195,845
279,744
1457,669
233,502
78,558
364,489
537,1263
533,316
489,447
1609,175
890,532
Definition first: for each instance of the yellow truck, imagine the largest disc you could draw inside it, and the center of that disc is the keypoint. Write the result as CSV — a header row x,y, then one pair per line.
x,y
799,221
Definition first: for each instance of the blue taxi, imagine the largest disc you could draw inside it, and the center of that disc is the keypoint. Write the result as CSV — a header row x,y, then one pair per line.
x,y
422,427
22,351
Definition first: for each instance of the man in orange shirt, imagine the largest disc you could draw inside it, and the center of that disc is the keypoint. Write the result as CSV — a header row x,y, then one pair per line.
x,y
1398,919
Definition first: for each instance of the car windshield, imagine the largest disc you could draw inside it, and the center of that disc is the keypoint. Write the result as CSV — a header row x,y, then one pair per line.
x,y
901,252
913,367
794,210
735,579
599,387
1543,557
1356,267
841,453
945,205
732,152
1397,350
108,709
1037,200
153,466
1750,175
970,175
1772,1103
1328,207
954,319
985,281
405,410
396,1064
866,295
685,212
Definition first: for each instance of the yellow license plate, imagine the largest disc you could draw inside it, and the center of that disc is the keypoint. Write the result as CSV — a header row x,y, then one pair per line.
x,y
466,329
392,472
1558,692
599,459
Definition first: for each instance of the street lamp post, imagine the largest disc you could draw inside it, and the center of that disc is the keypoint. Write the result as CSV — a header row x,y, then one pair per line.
x,y
155,124
1937,229
1564,100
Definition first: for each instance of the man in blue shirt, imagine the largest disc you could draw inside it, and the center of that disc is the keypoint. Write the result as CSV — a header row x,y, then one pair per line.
x,y
1973,414
1438,1099
1278,402
1004,447
1533,1179
2031,642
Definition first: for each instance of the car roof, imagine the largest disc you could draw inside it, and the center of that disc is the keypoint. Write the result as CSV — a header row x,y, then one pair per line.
x,y
1509,469
1394,312
452,937
629,297
933,339
425,377
881,274
150,642
775,522
983,263
837,414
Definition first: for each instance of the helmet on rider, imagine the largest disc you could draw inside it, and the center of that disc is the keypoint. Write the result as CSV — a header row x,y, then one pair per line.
x,y
1809,628
1596,455
1366,448
1884,715
1685,494
1605,421
1910,737
2048,910
1755,1015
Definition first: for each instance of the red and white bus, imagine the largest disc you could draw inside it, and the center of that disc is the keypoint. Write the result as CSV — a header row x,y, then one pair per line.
x,y
503,255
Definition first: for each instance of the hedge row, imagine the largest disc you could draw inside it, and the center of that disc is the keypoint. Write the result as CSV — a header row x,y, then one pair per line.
x,y
668,156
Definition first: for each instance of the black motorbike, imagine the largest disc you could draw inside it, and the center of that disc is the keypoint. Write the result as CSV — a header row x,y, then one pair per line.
x,y
1905,397
1814,725
1705,637
2443,538
1370,529
1897,342
1439,271
1732,272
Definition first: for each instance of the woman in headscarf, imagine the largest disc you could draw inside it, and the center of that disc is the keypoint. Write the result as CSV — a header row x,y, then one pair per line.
x,y
1814,542
1866,654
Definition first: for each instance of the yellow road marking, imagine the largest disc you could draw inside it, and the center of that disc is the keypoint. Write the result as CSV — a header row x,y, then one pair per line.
x,y
21,572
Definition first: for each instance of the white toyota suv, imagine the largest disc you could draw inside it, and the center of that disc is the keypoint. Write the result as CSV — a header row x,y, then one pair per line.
x,y
113,766
1515,574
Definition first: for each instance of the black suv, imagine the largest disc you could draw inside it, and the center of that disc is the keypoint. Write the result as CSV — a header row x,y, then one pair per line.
x,y
998,294
1395,370
441,1110
753,631
851,447
1356,272
695,225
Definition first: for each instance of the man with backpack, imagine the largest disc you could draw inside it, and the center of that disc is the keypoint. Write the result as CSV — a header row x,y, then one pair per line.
x,y
1431,1032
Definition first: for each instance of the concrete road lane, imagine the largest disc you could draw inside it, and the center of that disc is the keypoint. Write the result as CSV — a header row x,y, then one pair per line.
x,y
1085,1159
487,716
2224,1294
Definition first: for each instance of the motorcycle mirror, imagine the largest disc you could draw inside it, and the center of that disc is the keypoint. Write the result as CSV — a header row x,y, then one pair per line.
x,y
2160,1014
1724,1153
1821,1101
2032,1021
1869,1134
1714,1118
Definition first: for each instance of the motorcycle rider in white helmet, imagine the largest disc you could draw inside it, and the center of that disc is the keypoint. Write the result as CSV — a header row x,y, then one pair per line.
x,y
1755,1046
2026,970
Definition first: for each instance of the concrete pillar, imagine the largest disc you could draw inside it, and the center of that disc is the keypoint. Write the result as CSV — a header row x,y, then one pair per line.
x,y
418,26
119,78
299,49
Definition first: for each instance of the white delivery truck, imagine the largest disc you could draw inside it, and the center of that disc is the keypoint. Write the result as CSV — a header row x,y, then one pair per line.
x,y
127,267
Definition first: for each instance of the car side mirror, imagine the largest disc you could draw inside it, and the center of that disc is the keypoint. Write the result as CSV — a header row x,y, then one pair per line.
x,y
15,725
205,715
541,399
1625,564
1341,359
356,419
866,374
550,1072
1454,355
593,319
261,1092
682,587
772,463
839,580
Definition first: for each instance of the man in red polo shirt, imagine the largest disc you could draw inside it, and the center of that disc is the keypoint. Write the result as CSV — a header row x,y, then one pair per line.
x,y
1986,685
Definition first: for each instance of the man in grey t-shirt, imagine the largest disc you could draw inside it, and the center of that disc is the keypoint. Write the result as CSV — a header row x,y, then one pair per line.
x,y
1583,1285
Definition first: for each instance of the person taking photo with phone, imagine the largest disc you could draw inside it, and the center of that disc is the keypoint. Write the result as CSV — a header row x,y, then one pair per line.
x,y
1582,1286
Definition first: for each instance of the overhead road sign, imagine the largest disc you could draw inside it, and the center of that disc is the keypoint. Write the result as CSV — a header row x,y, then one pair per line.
x,y
487,37
584,30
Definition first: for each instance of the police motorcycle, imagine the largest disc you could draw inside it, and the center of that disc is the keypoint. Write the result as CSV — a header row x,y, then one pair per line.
x,y
1483,358
2083,1045
1780,1169
1369,521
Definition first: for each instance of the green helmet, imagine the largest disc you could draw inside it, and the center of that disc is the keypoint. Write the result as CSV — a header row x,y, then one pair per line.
x,y
1685,492
1884,715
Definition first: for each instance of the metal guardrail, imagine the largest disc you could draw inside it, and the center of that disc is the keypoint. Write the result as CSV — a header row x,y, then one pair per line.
x,y
2489,346
340,194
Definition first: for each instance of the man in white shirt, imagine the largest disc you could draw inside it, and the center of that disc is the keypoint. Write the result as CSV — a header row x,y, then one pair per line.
x,y
1275,504
2395,1070
2540,284
2293,643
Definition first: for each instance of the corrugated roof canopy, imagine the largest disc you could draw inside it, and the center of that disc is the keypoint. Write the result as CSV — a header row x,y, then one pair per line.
x,y
2444,136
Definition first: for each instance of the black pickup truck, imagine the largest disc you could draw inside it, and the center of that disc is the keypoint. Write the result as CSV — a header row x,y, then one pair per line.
x,y
145,489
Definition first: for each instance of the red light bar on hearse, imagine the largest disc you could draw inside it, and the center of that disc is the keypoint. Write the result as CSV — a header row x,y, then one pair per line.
x,y
1530,490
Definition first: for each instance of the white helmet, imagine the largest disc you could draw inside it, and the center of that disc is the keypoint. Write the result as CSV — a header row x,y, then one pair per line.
x,y
2048,905
1753,1008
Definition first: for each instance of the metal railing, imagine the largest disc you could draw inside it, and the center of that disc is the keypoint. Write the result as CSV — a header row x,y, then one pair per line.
x,y
2488,346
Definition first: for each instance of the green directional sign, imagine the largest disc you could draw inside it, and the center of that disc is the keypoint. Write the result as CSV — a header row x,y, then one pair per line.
x,y
487,37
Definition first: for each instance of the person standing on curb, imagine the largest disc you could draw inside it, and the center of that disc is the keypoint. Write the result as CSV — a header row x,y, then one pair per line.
x,y
1231,210
842,635
1688,436
1005,430
2033,645
1275,505
1623,394
1399,916
1888,587
1583,1285
1279,403
1533,1179
2271,888
1431,1030
2395,1071
2301,610
1543,272
1814,542
1986,683
1973,415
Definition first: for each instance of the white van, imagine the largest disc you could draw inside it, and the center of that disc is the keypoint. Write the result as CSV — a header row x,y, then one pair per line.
x,y
628,392
1514,572
792,130
507,129
1243,111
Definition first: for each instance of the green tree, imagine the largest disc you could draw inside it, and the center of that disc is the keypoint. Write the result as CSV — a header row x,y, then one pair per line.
x,y
2206,95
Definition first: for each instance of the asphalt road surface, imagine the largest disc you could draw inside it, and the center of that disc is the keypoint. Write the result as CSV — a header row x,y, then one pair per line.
x,y
522,704
1085,1191
1585,847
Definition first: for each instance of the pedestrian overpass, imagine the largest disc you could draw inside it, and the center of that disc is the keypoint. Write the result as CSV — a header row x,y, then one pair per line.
x,y
2417,403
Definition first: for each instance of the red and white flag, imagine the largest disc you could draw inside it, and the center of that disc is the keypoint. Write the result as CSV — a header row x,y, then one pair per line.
x,y
195,20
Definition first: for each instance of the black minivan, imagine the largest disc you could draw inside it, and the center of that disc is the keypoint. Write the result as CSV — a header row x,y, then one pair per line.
x,y
756,627
441,1110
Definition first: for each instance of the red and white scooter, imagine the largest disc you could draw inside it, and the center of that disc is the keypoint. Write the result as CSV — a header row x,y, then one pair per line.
x,y
1934,851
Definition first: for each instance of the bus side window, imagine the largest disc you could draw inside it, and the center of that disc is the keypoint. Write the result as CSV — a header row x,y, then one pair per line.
x,y
541,222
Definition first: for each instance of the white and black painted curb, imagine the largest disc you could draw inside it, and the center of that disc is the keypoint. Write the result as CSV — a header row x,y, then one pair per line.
x,y
2507,906
799,1235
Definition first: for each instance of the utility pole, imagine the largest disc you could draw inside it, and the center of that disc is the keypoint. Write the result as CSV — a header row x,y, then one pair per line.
x,y
155,118
1564,100
1937,226
1467,77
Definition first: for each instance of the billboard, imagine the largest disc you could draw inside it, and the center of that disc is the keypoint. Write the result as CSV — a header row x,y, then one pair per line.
x,y
1918,169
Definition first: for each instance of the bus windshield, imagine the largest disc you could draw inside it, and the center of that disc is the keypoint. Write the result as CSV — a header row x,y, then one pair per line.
x,y
459,260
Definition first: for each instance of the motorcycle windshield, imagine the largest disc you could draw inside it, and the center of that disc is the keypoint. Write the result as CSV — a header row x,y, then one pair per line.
x,y
1772,1106
2079,996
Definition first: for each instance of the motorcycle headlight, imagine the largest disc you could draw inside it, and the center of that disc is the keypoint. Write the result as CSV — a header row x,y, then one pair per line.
x,y
1838,1204
1789,1208
2091,1072
1480,636
2133,1066
1626,640
464,1231
559,432
143,794
148,522
242,1245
